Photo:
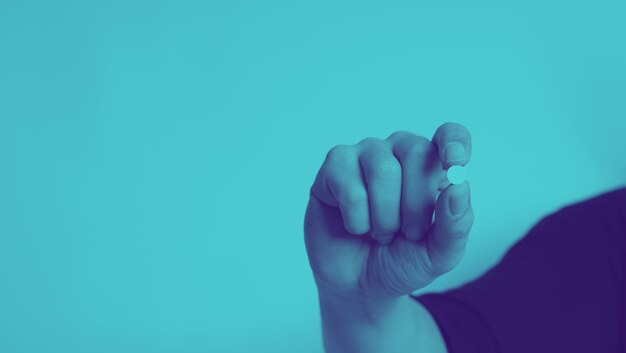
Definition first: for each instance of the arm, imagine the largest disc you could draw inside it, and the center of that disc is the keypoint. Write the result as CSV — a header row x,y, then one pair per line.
x,y
396,325
559,289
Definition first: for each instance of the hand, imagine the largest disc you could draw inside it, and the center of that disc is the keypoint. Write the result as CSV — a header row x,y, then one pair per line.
x,y
369,227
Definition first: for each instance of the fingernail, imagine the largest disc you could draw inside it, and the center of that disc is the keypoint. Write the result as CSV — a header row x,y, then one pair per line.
x,y
410,230
455,153
459,200
413,231
383,239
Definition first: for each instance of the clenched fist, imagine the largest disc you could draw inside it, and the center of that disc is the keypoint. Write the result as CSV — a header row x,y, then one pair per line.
x,y
369,225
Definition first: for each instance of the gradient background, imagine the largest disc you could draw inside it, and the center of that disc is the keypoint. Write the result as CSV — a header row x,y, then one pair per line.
x,y
155,157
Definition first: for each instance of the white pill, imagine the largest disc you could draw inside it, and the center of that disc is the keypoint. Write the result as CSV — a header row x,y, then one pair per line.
x,y
457,174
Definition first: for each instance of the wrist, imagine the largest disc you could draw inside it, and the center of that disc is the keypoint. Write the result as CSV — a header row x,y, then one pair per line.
x,y
358,323
357,307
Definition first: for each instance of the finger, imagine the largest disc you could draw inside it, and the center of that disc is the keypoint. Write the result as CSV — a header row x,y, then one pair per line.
x,y
443,181
454,143
421,171
454,217
340,184
383,177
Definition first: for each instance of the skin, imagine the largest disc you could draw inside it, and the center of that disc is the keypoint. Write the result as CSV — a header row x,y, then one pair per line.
x,y
371,239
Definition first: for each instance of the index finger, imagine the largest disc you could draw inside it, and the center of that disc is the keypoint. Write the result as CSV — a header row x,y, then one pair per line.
x,y
454,143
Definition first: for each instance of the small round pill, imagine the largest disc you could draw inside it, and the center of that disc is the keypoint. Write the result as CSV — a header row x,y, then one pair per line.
x,y
456,174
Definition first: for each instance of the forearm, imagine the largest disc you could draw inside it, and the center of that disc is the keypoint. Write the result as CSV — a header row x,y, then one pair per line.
x,y
376,326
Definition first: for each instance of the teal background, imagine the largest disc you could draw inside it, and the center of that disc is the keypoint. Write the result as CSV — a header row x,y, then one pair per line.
x,y
155,157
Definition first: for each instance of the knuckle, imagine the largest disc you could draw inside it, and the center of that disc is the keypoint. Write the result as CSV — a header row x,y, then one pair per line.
x,y
371,143
417,147
469,218
354,197
340,153
386,168
400,134
452,126
456,233
461,228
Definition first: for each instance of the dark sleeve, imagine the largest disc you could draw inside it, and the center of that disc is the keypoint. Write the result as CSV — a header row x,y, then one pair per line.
x,y
559,289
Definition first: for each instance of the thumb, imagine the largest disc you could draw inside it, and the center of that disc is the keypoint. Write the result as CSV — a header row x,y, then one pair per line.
x,y
454,218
